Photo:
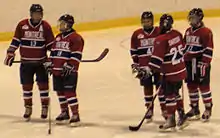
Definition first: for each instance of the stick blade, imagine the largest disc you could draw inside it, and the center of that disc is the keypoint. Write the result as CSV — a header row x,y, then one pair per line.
x,y
102,55
133,128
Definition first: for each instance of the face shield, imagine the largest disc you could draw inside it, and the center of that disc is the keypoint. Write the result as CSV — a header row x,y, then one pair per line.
x,y
193,20
165,26
62,26
147,23
36,16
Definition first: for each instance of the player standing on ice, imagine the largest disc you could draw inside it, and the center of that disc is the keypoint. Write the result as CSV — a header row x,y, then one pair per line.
x,y
34,37
142,45
66,54
167,58
198,56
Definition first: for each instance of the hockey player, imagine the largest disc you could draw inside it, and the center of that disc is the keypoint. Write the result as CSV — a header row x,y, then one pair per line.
x,y
66,54
142,45
167,58
198,56
34,37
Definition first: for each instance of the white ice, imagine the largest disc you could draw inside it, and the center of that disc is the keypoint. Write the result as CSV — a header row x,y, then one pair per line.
x,y
110,97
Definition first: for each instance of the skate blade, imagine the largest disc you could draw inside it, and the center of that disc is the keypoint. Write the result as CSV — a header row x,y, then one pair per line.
x,y
27,119
43,118
184,125
205,120
194,118
165,130
64,122
76,124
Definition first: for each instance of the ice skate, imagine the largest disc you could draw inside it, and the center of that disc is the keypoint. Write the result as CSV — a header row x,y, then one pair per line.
x,y
164,114
44,111
63,118
74,121
207,113
28,113
182,120
169,125
194,113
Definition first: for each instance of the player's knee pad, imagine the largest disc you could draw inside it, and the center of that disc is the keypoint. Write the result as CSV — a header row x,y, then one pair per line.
x,y
168,93
27,87
60,93
43,86
161,92
148,90
192,87
204,88
170,88
69,94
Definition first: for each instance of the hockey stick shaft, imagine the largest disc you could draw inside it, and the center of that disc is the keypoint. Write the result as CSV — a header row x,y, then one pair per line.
x,y
49,120
102,56
136,128
183,93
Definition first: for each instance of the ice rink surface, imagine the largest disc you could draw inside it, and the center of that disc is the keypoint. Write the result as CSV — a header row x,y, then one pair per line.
x,y
110,98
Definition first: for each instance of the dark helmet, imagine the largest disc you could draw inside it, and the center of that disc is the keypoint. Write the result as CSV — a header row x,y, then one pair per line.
x,y
196,12
166,22
68,19
147,15
36,8
147,25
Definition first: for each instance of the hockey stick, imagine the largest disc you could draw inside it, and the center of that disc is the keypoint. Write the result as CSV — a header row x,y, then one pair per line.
x,y
102,55
183,93
136,128
49,119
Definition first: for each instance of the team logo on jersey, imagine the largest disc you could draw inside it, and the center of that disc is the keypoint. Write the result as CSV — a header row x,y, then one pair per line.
x,y
33,34
147,42
58,39
41,28
140,36
193,40
174,41
62,45
25,27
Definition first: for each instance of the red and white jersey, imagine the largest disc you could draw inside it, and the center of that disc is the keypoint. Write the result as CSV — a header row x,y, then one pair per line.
x,y
167,57
142,45
199,44
67,48
34,41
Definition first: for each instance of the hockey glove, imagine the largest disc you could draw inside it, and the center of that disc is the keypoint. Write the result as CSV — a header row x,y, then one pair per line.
x,y
202,69
67,69
9,59
134,68
144,73
48,65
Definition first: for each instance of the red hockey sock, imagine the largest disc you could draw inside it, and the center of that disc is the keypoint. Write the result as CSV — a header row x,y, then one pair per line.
x,y
27,94
72,101
44,93
193,93
148,95
171,104
162,100
206,94
179,102
62,101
